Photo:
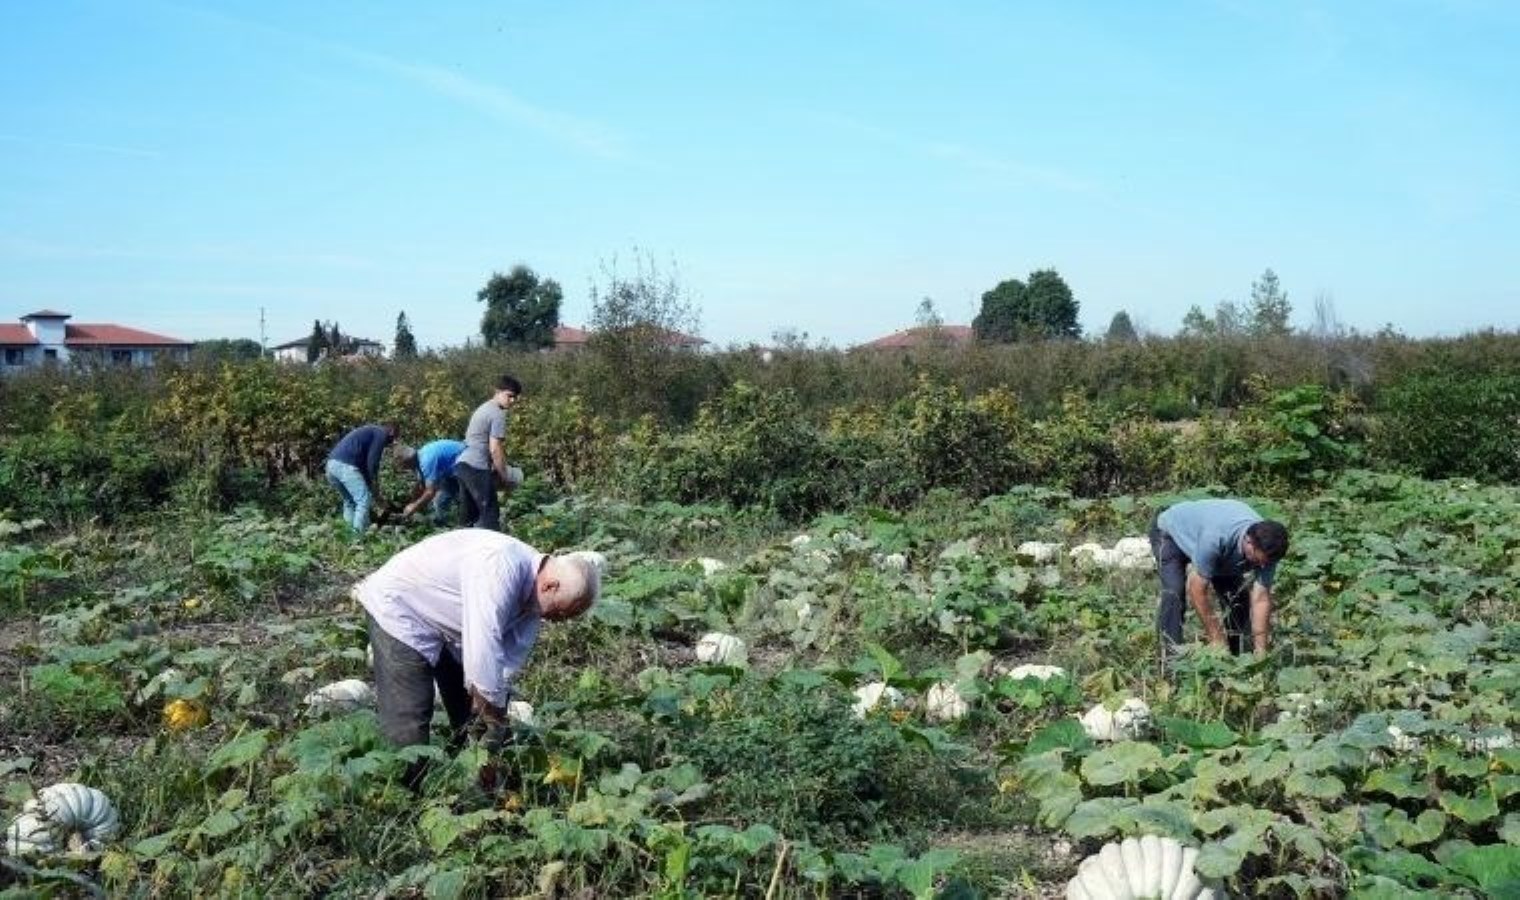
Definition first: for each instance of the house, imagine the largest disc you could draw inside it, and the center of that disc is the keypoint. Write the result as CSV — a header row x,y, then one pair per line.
x,y
567,337
295,351
923,336
47,337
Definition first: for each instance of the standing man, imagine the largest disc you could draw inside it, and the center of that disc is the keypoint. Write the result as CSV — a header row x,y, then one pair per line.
x,y
1225,540
434,467
461,610
353,469
482,465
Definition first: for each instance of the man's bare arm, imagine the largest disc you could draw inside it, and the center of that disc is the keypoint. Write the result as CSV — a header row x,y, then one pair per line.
x,y
1261,617
1198,594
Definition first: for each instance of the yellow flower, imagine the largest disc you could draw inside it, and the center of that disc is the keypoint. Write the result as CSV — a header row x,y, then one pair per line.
x,y
183,715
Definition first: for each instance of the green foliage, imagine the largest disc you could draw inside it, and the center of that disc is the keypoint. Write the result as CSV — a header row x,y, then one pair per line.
x,y
405,344
221,350
1451,421
1042,308
1269,310
522,310
1120,328
67,476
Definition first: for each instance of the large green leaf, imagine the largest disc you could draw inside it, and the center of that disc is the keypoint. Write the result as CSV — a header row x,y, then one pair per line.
x,y
1199,735
1123,763
1495,868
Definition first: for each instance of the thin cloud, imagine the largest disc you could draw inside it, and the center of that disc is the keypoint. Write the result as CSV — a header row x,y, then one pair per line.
x,y
53,144
587,136
22,247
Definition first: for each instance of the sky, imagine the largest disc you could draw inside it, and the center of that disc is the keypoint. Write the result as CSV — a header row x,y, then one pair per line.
x,y
818,167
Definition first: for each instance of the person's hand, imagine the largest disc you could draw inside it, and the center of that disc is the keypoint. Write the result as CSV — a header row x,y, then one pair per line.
x,y
486,710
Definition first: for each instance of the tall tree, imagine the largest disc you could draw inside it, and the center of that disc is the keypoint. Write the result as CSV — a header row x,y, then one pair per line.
x,y
405,346
522,311
1004,309
1120,328
1228,319
638,321
1052,306
1269,310
317,343
1197,323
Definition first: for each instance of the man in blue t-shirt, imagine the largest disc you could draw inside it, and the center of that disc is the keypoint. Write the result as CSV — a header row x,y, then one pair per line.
x,y
433,464
353,469
1225,541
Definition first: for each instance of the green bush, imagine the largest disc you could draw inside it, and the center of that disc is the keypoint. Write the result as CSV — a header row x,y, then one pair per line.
x,y
62,476
1451,422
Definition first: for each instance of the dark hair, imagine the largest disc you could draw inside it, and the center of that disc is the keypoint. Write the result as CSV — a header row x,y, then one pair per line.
x,y
508,383
1270,538
392,430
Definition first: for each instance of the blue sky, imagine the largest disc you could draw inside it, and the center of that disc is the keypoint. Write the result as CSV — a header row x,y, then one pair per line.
x,y
817,166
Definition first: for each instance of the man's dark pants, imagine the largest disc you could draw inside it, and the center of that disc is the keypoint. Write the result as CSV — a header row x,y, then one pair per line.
x,y
478,507
1171,565
404,683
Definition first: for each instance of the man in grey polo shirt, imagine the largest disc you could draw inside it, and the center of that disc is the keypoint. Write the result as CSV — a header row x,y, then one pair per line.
x,y
482,465
1225,541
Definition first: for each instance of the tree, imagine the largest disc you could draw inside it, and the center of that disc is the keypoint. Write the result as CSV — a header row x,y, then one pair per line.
x,y
1269,308
1197,323
1120,328
928,316
227,350
1043,308
1003,309
522,311
317,343
1052,306
1228,319
640,325
405,346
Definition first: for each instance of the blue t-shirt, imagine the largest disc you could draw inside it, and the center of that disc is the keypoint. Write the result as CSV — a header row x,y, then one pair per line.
x,y
1210,532
361,448
435,460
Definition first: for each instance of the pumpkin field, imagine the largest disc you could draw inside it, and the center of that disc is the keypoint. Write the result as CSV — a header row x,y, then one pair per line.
x,y
878,704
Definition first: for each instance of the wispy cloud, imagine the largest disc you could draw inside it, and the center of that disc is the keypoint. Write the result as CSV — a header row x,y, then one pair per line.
x,y
23,247
1004,170
579,133
88,146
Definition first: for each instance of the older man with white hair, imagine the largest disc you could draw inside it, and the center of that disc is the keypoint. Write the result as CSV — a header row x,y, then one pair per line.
x,y
461,610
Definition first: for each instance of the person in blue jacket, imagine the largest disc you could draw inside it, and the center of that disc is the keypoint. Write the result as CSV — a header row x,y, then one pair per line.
x,y
433,463
353,469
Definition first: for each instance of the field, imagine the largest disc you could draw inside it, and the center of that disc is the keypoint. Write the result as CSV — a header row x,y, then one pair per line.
x,y
1370,754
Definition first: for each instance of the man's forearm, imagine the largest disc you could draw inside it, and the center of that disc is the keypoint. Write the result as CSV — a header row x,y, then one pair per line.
x,y
1261,618
1198,594
499,460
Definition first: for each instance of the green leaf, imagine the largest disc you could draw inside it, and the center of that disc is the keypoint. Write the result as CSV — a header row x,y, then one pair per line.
x,y
1222,859
1472,810
219,824
1320,787
1123,763
238,752
1509,832
154,847
1099,817
1066,734
1198,735
1495,868
1398,781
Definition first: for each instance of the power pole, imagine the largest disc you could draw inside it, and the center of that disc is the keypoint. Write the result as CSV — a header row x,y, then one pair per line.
x,y
263,337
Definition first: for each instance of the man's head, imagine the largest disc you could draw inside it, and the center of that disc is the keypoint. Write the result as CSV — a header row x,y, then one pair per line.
x,y
392,431
567,586
508,389
404,457
1266,543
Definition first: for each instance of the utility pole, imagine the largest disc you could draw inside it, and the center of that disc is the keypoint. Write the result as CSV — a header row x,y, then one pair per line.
x,y
263,337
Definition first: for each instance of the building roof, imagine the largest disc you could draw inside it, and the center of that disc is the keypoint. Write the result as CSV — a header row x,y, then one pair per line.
x,y
302,342
569,334
86,335
920,336
106,335
46,314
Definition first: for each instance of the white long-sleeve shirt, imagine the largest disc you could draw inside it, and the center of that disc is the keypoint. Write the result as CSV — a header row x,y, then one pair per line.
x,y
470,592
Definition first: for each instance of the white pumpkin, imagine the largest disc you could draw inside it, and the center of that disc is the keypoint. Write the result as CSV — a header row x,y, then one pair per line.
x,y
870,696
944,703
521,712
1127,722
85,815
894,562
341,697
1404,743
29,834
1043,673
1148,866
711,566
155,685
801,540
1132,553
1093,555
1296,705
1039,551
717,648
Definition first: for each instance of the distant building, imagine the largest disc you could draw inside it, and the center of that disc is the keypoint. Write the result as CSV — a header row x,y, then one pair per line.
x,y
921,337
295,351
46,336
567,337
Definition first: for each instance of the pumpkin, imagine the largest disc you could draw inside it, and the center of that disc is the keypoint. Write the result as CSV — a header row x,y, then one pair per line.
x,y
521,712
894,562
1038,672
1039,551
1127,722
801,540
341,697
183,715
711,566
563,772
27,835
717,648
1147,866
873,695
944,703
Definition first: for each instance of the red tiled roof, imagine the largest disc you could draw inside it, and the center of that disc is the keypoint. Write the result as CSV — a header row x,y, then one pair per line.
x,y
11,335
46,314
116,336
914,337
568,334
